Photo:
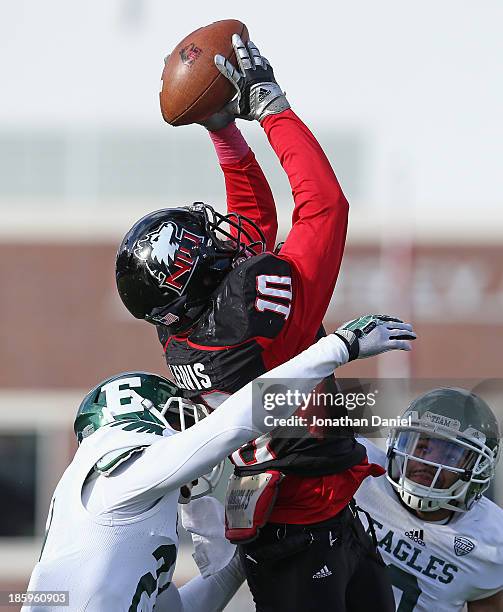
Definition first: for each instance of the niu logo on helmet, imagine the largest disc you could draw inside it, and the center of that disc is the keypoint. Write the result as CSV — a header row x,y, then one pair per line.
x,y
168,255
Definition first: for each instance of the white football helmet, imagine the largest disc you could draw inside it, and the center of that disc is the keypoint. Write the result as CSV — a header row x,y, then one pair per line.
x,y
446,456
148,403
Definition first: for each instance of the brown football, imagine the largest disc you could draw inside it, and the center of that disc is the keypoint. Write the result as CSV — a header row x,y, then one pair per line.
x,y
192,87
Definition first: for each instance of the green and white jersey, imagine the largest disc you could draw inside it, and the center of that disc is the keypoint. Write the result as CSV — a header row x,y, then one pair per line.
x,y
112,540
434,566
109,560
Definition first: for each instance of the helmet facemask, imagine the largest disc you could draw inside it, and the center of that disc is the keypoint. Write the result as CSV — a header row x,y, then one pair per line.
x,y
432,466
180,415
231,234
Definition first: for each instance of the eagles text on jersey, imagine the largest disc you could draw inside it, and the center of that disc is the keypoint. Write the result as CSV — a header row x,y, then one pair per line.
x,y
434,566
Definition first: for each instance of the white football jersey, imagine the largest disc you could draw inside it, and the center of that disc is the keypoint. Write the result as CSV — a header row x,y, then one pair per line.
x,y
434,567
142,549
112,542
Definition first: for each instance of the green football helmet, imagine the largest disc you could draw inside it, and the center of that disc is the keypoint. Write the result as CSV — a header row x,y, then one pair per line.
x,y
446,456
146,403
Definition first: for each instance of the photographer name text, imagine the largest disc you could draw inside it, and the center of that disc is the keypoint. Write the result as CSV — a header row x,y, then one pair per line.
x,y
343,421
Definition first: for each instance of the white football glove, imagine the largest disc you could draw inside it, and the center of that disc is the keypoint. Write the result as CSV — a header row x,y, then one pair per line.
x,y
374,334
220,119
204,519
258,94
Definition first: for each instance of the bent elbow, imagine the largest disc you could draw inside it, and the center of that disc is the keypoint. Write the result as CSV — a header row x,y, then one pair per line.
x,y
335,207
341,203
235,437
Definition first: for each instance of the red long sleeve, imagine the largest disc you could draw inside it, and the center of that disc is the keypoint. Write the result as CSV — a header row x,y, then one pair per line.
x,y
315,245
249,194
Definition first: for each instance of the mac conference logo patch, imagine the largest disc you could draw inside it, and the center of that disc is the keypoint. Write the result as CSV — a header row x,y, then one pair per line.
x,y
462,546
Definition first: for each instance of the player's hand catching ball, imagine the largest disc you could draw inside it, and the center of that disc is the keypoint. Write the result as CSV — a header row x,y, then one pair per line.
x,y
258,94
219,120
374,334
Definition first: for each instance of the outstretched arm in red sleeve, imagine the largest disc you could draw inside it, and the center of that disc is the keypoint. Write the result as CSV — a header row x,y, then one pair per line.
x,y
315,244
248,192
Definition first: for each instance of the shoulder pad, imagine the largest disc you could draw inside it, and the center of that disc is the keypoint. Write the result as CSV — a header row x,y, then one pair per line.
x,y
239,312
107,464
114,443
269,294
268,263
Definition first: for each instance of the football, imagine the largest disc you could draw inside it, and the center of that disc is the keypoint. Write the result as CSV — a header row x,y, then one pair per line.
x,y
192,88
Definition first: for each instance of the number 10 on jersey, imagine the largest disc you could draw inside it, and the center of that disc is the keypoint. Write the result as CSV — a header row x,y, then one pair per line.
x,y
277,290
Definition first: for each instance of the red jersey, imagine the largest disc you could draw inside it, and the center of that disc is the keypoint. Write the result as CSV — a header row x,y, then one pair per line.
x,y
269,309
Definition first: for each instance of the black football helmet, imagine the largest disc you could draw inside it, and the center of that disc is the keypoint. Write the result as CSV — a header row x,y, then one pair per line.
x,y
171,260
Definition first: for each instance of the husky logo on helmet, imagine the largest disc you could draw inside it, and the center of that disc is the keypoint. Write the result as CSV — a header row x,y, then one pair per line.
x,y
168,254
